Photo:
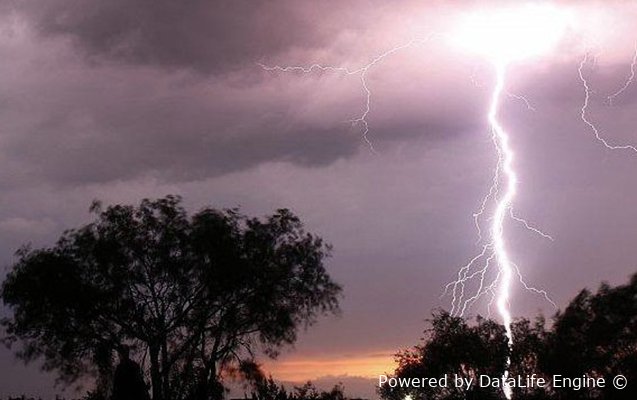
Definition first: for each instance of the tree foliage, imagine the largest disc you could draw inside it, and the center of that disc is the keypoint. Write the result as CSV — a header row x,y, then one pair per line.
x,y
452,347
194,295
595,336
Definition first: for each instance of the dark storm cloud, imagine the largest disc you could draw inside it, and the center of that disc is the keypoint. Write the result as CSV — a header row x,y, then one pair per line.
x,y
207,36
172,90
69,123
173,139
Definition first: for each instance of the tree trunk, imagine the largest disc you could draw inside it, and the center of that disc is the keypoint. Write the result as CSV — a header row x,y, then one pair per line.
x,y
104,361
165,371
214,387
155,373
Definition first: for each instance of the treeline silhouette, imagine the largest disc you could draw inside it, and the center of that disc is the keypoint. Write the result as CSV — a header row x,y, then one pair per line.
x,y
594,337
262,389
268,389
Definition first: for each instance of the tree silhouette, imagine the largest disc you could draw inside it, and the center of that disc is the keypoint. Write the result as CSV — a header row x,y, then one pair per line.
x,y
595,336
452,347
197,295
268,389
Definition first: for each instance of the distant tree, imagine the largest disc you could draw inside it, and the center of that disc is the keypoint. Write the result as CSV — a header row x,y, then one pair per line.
x,y
195,295
595,336
268,389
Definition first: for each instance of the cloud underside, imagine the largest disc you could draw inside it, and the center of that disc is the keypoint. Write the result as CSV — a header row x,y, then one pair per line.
x,y
114,90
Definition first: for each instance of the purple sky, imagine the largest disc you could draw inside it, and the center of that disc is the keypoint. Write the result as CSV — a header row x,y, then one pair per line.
x,y
124,99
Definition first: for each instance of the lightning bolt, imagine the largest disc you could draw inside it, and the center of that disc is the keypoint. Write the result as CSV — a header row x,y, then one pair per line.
x,y
492,272
361,120
479,266
495,248
502,208
523,99
629,81
584,110
494,251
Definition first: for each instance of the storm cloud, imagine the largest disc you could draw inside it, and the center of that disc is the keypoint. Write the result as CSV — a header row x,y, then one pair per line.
x,y
116,90
210,37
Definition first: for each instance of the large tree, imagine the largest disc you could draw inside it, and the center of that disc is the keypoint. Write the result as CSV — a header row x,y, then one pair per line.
x,y
196,295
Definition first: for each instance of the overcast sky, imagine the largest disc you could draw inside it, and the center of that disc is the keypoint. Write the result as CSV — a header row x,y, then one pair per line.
x,y
125,99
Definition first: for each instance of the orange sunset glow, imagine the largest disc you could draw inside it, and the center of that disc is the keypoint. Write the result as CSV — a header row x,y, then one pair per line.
x,y
301,369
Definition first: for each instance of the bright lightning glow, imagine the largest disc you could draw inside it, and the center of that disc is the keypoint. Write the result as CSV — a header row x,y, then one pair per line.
x,y
511,33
